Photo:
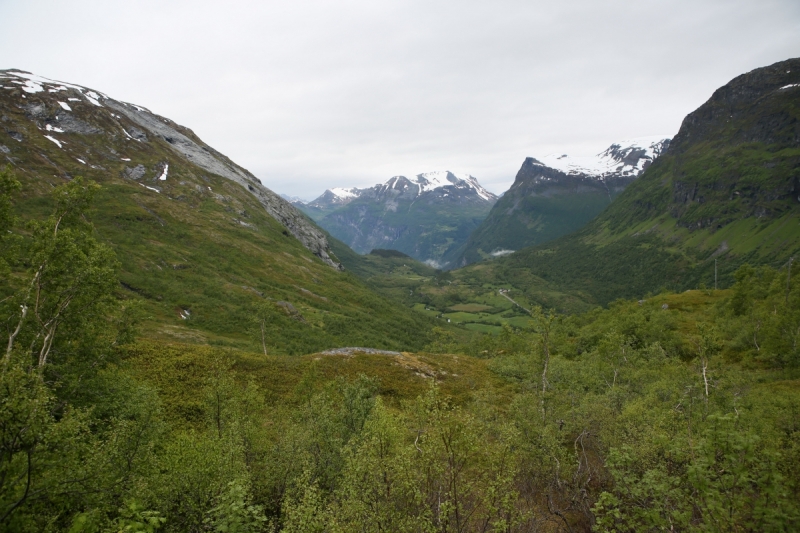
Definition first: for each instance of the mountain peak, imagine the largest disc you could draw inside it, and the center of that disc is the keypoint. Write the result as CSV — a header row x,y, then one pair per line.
x,y
444,178
623,159
558,194
444,181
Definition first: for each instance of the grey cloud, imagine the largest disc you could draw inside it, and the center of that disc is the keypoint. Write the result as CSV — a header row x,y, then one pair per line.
x,y
314,94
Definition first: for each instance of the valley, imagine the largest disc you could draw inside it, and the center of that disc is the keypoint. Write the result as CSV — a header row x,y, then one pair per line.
x,y
187,351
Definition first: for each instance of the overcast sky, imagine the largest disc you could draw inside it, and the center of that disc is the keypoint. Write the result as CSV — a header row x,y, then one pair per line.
x,y
315,94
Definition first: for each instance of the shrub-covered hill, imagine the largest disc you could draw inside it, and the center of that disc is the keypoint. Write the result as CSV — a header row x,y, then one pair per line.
x,y
678,411
726,192
209,253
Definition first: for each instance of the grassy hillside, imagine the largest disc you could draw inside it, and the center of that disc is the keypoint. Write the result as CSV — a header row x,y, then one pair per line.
x,y
198,251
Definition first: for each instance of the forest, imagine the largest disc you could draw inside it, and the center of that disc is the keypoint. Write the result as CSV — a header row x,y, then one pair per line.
x,y
676,412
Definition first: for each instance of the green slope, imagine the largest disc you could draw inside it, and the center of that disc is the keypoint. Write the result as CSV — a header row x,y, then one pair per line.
x,y
518,221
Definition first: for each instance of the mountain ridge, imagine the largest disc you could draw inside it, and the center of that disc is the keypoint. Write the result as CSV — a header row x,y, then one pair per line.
x,y
556,195
425,182
424,216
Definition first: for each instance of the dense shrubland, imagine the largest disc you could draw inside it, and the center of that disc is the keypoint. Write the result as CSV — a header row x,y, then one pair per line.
x,y
680,412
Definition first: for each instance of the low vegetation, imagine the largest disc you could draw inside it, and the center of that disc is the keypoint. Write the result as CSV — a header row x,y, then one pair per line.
x,y
677,412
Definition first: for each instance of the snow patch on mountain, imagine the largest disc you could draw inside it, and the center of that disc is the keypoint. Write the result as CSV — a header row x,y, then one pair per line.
x,y
430,181
346,194
34,84
626,158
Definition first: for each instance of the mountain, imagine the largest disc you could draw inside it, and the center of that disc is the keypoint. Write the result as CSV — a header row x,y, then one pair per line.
x,y
202,243
293,199
556,195
425,217
49,107
328,201
336,197
726,192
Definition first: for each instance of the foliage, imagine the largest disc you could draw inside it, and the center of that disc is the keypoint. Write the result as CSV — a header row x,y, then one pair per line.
x,y
678,411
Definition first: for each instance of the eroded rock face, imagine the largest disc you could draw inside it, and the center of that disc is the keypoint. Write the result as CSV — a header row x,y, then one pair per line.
x,y
135,173
755,103
186,143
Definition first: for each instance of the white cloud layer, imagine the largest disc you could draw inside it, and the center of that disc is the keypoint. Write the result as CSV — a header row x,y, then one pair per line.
x,y
315,94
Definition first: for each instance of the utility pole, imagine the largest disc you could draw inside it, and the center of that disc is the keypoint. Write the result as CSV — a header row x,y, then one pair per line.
x,y
715,274
788,278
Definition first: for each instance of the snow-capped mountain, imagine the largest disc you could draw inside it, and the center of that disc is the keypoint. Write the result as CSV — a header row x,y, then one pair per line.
x,y
624,159
336,197
443,183
423,216
292,199
557,194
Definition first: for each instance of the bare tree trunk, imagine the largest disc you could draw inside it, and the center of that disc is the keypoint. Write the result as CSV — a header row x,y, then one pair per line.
x,y
705,377
24,306
13,336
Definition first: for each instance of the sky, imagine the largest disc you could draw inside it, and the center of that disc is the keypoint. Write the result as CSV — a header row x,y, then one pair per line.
x,y
310,95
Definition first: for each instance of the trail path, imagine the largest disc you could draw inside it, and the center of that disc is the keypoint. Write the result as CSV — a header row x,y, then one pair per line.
x,y
506,296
